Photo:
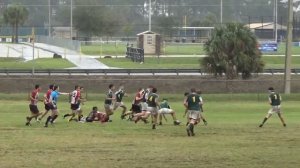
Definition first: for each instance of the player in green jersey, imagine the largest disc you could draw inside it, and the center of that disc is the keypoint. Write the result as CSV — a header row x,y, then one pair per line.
x,y
193,105
165,108
275,102
119,103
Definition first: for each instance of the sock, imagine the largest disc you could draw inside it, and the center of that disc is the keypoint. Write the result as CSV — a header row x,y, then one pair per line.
x,y
192,128
54,117
265,119
48,119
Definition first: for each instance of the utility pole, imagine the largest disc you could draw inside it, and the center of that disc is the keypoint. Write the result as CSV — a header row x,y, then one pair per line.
x,y
49,18
221,12
275,20
288,52
150,13
71,21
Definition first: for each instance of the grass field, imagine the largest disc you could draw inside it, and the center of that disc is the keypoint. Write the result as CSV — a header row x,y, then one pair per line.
x,y
188,62
168,49
41,63
231,139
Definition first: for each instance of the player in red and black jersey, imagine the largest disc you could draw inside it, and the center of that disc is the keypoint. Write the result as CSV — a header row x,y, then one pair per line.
x,y
34,98
48,105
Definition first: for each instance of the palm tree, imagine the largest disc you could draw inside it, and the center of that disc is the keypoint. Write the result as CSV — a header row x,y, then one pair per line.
x,y
232,50
15,15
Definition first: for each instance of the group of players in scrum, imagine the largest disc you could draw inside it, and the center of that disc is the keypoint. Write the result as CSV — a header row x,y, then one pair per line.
x,y
144,105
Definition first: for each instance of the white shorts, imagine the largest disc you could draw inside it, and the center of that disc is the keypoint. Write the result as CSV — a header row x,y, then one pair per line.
x,y
108,107
165,111
194,114
144,106
274,109
153,110
118,104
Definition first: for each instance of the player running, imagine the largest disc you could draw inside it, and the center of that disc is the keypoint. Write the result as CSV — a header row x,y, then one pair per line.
x,y
110,97
166,109
47,103
75,104
201,109
193,105
34,98
274,101
53,100
135,107
119,96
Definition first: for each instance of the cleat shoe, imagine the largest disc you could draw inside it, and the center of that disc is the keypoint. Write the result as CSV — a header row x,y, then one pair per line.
x,y
205,123
260,125
154,126
284,125
160,123
28,124
123,116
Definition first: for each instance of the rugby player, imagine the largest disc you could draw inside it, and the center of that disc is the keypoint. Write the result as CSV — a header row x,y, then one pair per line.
x,y
153,104
53,100
144,106
193,105
201,108
166,109
119,96
95,115
110,97
75,104
34,98
275,102
185,107
47,103
135,107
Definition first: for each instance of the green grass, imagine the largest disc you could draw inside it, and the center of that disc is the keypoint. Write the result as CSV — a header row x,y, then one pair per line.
x,y
168,49
231,139
188,62
41,63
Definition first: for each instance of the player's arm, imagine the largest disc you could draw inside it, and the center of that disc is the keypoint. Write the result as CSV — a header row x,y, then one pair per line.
x,y
64,93
270,101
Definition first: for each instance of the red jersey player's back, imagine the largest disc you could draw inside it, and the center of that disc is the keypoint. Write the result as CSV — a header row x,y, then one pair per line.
x,y
34,96
47,96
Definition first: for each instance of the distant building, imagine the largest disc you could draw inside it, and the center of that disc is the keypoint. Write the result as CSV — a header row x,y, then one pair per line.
x,y
63,32
192,34
266,31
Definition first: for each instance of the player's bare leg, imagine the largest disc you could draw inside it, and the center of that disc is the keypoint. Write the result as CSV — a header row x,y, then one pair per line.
x,y
154,120
123,111
33,115
281,119
175,121
190,127
43,115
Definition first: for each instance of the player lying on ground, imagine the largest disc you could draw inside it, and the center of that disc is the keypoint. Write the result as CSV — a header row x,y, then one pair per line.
x,y
95,115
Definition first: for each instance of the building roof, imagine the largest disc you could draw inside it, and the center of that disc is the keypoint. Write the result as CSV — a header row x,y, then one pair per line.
x,y
147,32
265,26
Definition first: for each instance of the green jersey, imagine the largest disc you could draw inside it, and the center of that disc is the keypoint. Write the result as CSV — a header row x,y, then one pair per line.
x,y
109,96
119,95
193,101
275,99
164,104
152,99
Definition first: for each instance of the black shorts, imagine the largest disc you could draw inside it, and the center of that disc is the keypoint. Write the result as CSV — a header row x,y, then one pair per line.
x,y
33,108
136,108
49,107
74,106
